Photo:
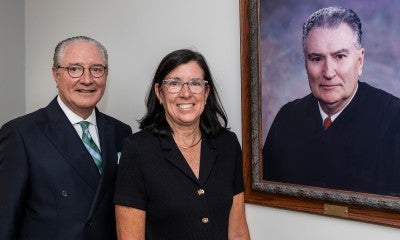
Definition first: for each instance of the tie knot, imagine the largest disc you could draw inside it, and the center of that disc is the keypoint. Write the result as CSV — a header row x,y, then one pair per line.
x,y
84,125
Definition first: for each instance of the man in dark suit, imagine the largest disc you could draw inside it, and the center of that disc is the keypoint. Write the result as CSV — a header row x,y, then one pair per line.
x,y
53,184
343,135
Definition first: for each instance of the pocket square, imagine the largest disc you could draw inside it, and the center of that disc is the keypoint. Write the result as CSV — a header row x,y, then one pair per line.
x,y
118,157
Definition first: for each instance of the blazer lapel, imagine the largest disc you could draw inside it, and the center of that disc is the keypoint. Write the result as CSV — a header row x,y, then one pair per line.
x,y
65,139
176,158
207,159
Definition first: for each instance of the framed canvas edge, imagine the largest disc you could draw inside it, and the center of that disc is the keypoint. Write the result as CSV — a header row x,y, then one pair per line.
x,y
360,206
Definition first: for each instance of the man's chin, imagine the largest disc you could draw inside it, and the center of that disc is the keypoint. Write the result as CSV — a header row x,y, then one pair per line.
x,y
329,99
88,104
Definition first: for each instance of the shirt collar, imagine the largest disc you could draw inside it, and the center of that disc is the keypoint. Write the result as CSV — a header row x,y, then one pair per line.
x,y
73,117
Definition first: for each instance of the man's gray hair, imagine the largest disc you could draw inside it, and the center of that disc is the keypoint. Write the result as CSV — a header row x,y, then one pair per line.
x,y
59,50
332,17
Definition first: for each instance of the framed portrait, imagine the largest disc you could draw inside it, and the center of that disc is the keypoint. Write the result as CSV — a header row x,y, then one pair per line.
x,y
274,73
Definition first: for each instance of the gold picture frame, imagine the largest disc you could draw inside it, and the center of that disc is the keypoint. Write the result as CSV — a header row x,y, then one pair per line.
x,y
331,202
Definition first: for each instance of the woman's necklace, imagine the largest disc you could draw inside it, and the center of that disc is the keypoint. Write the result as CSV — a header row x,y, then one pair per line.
x,y
194,144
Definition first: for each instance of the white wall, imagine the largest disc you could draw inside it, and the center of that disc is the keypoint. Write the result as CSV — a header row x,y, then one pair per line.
x,y
12,70
138,34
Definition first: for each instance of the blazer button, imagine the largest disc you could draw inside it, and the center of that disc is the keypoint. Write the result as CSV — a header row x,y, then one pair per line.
x,y
64,193
204,220
200,191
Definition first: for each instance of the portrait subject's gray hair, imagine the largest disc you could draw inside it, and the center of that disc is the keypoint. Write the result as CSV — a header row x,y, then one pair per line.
x,y
332,17
59,50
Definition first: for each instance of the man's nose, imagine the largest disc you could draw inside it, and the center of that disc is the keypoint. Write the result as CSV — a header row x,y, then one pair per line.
x,y
86,78
329,70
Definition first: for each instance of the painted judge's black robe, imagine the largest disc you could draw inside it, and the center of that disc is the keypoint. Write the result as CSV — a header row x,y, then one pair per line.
x,y
360,151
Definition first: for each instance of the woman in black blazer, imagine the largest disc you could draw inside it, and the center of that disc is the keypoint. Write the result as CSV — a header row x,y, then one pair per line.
x,y
180,177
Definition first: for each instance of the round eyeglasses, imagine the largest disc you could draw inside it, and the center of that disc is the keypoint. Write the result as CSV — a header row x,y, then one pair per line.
x,y
76,71
175,85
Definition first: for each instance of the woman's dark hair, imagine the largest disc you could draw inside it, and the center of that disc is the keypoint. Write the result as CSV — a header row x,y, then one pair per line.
x,y
212,120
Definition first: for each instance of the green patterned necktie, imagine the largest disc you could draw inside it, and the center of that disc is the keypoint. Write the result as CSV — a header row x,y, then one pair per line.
x,y
91,145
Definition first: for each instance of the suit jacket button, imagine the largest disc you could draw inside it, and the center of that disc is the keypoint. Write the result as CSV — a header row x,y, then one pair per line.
x,y
204,220
64,193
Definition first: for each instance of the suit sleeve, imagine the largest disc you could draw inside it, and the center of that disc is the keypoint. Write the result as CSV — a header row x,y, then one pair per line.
x,y
13,181
130,187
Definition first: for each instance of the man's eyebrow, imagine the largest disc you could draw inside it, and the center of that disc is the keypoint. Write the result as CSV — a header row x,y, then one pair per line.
x,y
314,55
343,50
82,65
74,64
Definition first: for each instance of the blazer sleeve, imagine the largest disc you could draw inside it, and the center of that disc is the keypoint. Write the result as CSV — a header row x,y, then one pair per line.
x,y
13,181
238,179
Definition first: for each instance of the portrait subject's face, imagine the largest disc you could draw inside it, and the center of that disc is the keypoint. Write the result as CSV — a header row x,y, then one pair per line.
x,y
183,108
333,65
83,93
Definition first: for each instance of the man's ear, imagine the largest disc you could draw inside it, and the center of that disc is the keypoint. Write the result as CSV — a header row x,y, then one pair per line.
x,y
361,61
56,74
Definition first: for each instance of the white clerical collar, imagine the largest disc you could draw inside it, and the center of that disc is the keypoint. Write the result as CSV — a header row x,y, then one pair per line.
x,y
334,116
73,117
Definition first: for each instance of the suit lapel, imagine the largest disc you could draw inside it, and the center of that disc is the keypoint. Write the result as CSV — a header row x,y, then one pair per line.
x,y
66,140
109,159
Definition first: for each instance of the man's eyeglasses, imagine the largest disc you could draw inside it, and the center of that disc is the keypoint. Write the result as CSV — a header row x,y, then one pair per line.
x,y
76,71
175,85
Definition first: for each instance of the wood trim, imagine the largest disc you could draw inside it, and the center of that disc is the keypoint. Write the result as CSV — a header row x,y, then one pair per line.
x,y
355,212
